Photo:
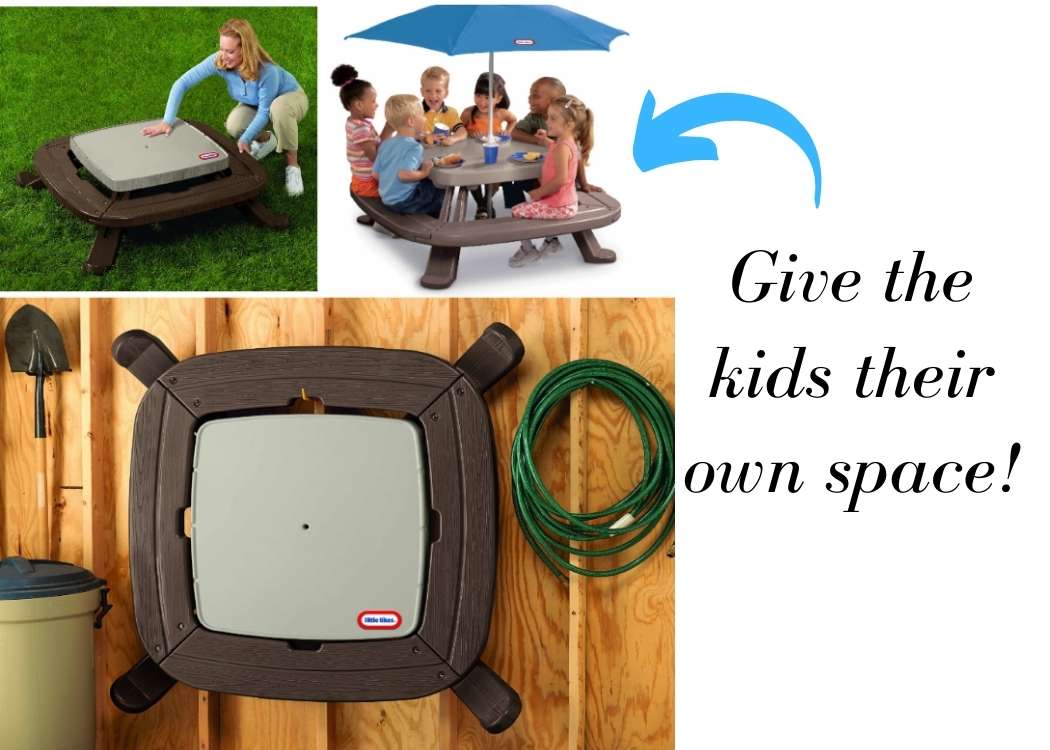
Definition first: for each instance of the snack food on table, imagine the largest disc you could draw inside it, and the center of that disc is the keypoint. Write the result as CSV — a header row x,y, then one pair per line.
x,y
449,160
531,155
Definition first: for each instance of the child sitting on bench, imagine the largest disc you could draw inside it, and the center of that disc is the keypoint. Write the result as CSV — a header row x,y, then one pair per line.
x,y
476,120
572,123
404,183
543,91
362,141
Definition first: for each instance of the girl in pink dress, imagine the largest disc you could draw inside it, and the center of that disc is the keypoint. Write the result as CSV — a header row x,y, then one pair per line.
x,y
572,124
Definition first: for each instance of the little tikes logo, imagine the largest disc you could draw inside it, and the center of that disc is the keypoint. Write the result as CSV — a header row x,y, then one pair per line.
x,y
525,42
208,155
379,620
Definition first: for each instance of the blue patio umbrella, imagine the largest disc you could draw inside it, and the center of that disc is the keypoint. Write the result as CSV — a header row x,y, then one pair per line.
x,y
463,29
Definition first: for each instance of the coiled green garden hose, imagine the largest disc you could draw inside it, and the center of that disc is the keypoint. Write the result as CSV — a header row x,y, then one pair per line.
x,y
548,527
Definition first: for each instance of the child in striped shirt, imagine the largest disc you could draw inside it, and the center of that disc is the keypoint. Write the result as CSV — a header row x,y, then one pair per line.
x,y
362,140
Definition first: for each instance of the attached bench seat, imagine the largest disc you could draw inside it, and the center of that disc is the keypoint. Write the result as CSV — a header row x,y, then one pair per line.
x,y
446,238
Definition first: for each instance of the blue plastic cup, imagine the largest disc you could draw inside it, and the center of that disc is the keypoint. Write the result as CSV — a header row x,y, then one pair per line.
x,y
491,153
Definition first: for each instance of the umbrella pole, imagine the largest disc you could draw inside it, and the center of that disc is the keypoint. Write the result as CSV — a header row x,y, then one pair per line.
x,y
492,103
492,112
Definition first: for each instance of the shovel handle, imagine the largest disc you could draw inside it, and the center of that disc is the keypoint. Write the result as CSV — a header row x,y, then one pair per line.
x,y
42,509
42,506
40,421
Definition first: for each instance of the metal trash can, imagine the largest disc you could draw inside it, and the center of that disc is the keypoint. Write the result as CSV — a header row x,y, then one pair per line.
x,y
48,614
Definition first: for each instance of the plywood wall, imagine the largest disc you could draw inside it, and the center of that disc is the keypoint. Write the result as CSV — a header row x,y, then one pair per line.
x,y
593,661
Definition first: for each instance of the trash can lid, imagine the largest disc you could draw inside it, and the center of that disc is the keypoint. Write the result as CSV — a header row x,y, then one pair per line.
x,y
32,579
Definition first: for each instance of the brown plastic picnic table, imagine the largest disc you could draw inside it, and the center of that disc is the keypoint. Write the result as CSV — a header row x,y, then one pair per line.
x,y
126,203
452,231
475,172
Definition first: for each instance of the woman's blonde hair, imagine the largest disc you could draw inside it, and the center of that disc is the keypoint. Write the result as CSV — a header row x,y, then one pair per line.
x,y
400,107
252,53
582,120
436,73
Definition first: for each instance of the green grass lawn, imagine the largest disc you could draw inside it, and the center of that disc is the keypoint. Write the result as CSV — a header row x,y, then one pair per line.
x,y
68,70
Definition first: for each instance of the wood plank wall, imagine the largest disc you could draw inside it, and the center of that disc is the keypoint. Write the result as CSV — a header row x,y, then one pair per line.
x,y
593,661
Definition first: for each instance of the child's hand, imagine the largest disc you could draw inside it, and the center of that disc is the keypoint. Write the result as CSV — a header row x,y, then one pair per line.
x,y
588,188
426,167
542,137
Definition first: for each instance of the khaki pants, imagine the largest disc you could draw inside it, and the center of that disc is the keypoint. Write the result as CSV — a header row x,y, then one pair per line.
x,y
286,111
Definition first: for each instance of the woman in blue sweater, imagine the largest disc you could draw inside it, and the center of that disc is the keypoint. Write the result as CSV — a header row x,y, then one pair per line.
x,y
266,92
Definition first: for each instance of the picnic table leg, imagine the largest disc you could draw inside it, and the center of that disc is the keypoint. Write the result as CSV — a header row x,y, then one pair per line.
x,y
442,267
30,180
258,211
365,220
591,251
488,201
446,204
461,204
104,251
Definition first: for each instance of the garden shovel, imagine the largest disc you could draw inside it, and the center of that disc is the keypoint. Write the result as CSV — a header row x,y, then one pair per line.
x,y
34,346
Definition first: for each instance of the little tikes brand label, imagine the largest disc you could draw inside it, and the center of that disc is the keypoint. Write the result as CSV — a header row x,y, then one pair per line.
x,y
386,619
208,155
524,42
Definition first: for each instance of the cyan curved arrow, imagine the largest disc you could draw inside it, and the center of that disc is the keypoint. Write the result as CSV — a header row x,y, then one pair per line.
x,y
659,141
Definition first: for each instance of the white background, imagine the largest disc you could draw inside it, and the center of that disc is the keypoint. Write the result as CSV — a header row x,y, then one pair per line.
x,y
921,621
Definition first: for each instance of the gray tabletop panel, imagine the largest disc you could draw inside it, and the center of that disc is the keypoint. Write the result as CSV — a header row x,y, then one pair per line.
x,y
123,159
475,171
309,527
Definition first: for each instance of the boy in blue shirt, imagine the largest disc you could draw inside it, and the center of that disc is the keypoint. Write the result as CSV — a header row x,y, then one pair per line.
x,y
403,173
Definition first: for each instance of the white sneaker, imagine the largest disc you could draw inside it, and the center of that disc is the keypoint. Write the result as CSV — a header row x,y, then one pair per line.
x,y
551,246
261,149
525,255
293,180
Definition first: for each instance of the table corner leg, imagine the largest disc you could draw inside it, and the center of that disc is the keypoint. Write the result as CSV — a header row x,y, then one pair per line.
x,y
591,251
104,250
30,180
261,214
442,267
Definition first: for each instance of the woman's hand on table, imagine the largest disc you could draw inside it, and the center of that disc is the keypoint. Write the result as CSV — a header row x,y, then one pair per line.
x,y
161,128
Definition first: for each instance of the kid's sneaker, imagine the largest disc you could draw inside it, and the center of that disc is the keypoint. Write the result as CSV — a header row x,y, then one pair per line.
x,y
525,255
551,246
